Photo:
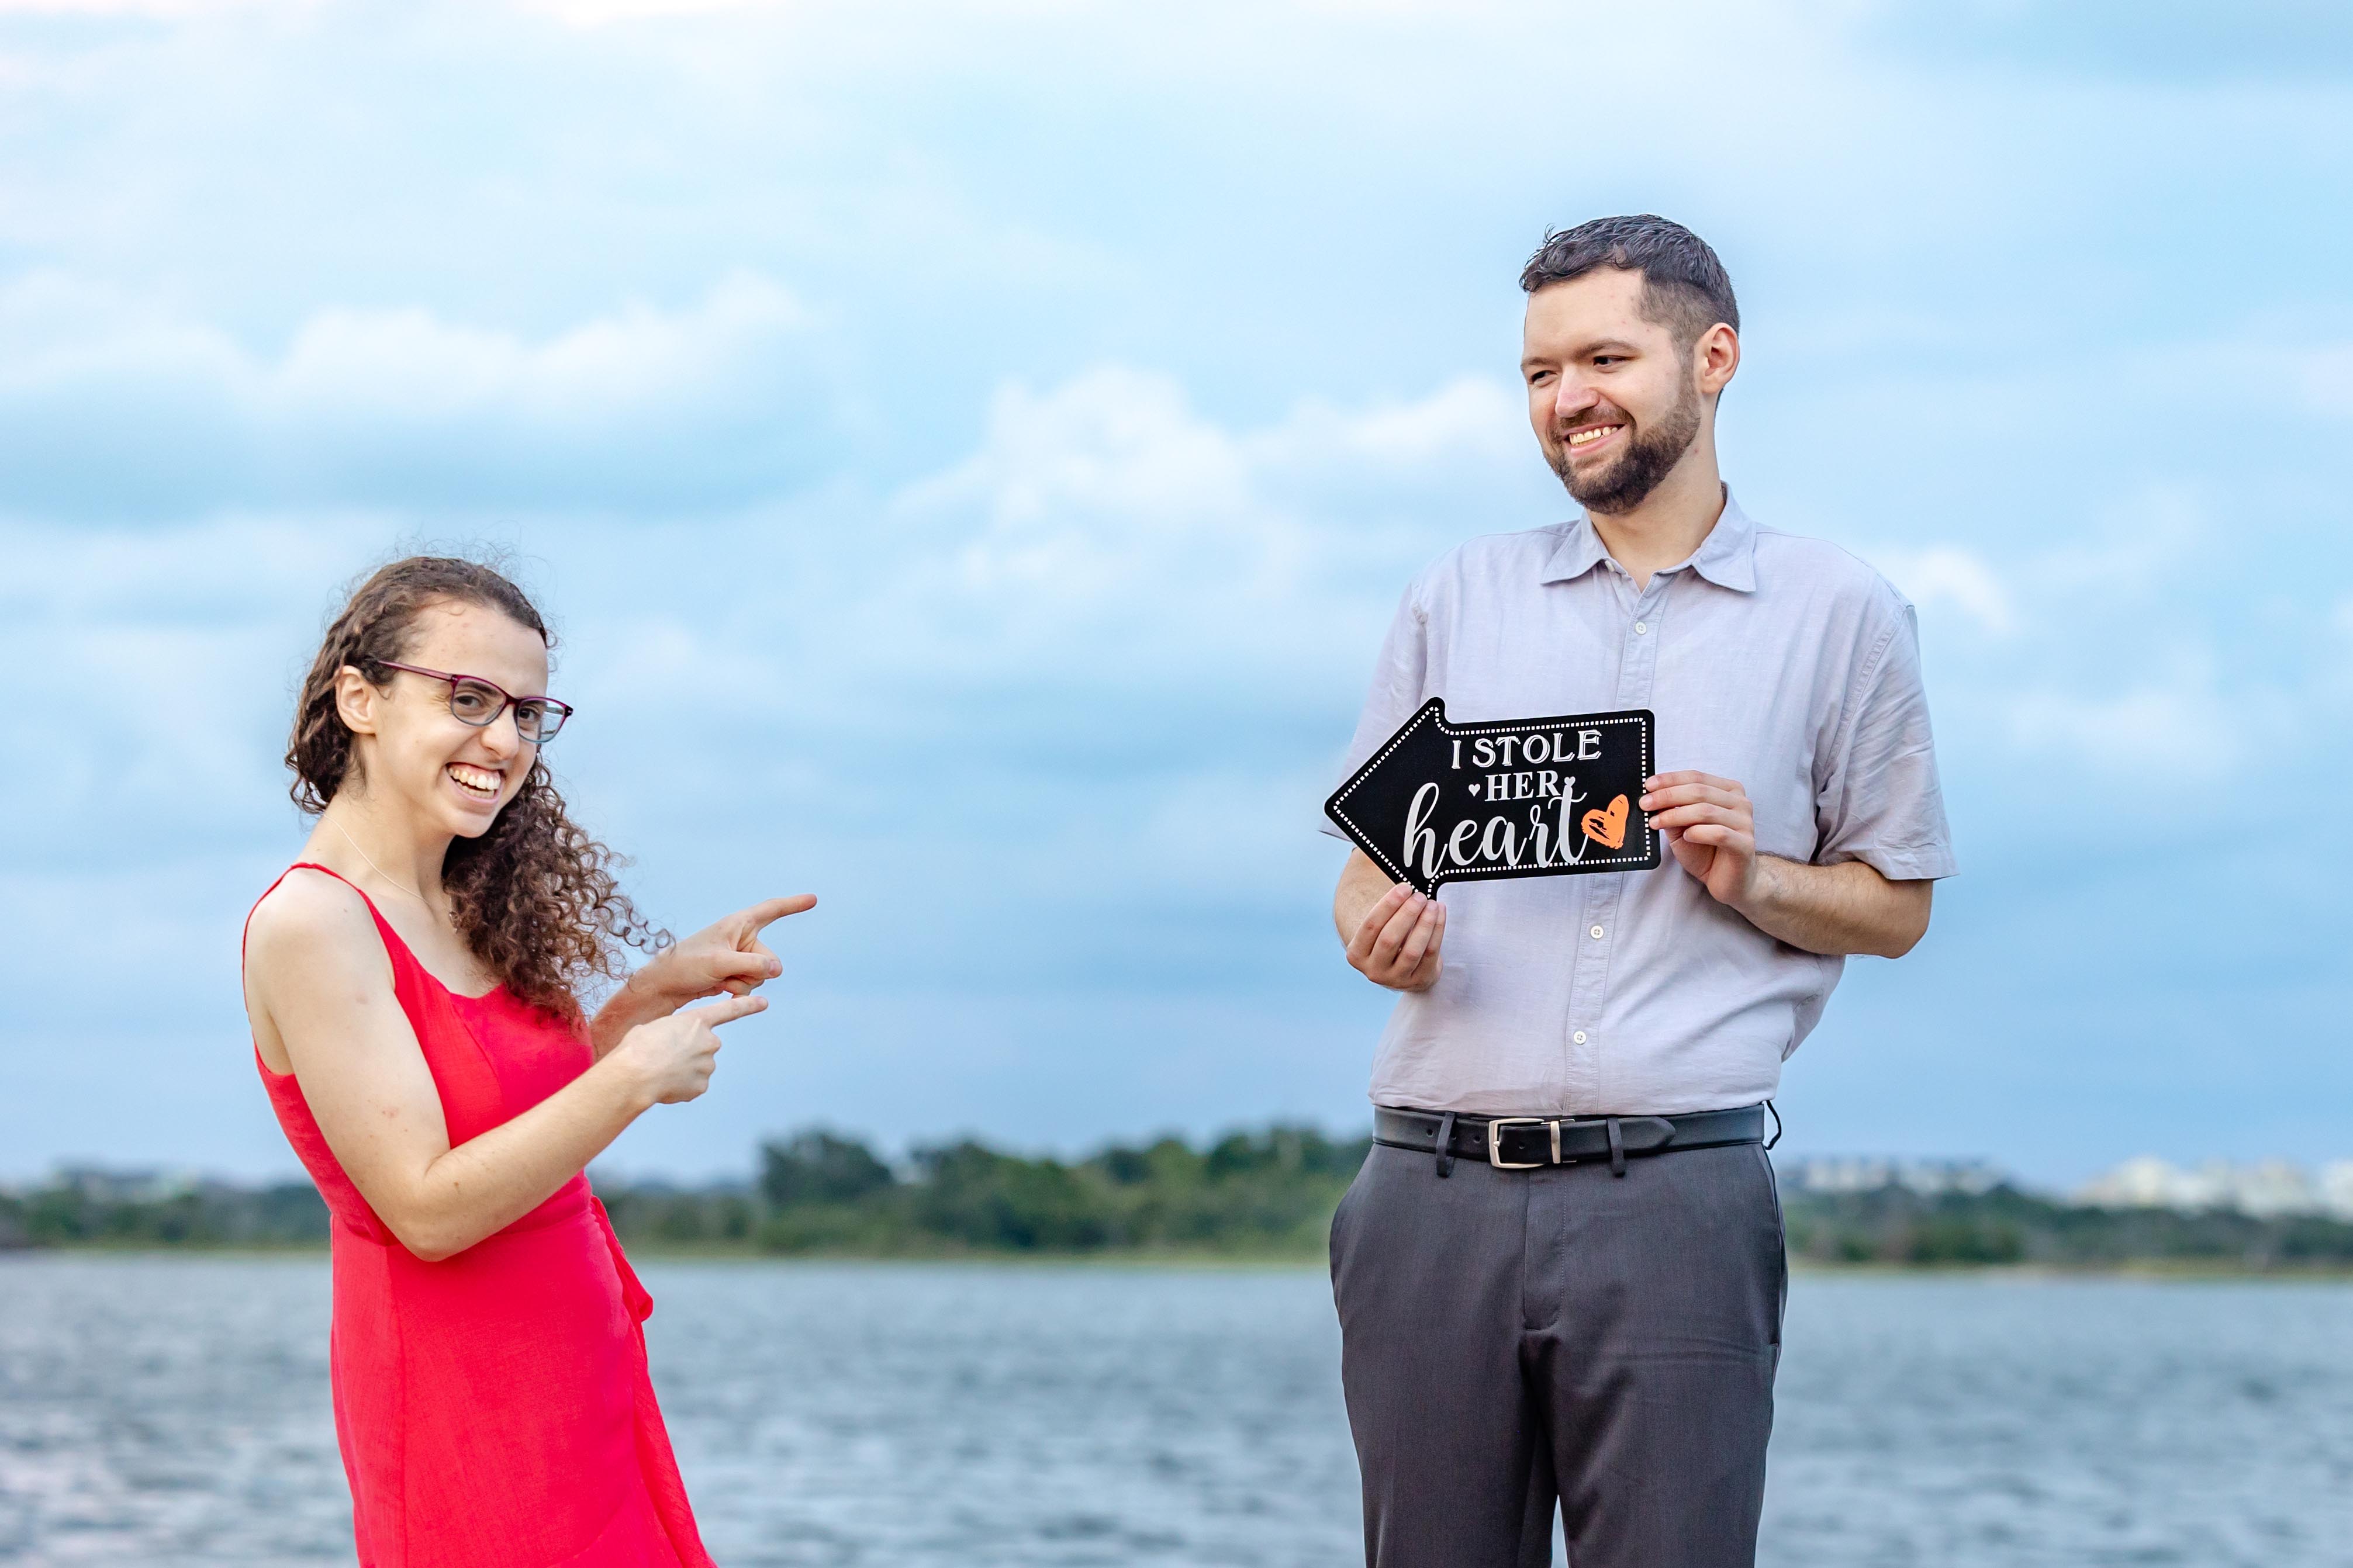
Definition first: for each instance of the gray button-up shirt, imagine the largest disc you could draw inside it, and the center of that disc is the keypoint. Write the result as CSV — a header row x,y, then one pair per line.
x,y
1779,662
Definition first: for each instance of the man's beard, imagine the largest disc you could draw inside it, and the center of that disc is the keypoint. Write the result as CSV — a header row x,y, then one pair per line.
x,y
1650,453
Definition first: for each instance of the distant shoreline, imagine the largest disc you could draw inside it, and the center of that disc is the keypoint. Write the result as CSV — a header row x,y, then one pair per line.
x,y
1252,1198
2153,1271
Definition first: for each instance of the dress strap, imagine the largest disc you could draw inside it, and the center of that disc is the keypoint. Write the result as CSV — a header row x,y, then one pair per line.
x,y
397,949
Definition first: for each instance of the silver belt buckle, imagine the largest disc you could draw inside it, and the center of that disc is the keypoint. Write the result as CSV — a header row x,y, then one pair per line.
x,y
1495,1142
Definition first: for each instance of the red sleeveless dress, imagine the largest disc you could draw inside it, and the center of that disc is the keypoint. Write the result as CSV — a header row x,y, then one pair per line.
x,y
493,1408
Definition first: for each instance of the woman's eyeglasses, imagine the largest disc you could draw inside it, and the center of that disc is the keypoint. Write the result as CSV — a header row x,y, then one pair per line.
x,y
479,702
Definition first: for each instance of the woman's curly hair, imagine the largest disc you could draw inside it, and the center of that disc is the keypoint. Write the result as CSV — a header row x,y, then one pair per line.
x,y
534,897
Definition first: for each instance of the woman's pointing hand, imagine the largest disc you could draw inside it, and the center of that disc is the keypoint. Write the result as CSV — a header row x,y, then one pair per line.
x,y
726,956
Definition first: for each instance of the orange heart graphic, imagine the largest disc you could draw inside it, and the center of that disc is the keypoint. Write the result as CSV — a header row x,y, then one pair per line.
x,y
1606,827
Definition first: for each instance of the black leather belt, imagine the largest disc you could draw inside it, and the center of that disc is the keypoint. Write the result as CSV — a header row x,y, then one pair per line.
x,y
1526,1143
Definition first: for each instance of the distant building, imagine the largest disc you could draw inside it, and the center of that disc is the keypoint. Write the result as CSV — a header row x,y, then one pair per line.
x,y
119,1184
2264,1188
2336,1188
1929,1178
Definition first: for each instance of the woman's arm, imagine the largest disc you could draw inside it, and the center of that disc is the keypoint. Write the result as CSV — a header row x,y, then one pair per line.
x,y
727,956
325,983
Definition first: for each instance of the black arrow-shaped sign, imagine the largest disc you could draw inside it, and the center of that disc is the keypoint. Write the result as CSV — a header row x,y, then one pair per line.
x,y
1526,797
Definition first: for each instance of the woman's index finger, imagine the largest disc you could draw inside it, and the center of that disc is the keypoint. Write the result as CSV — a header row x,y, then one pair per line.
x,y
728,1009
768,912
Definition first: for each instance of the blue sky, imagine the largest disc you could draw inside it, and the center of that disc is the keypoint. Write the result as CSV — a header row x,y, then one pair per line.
x,y
970,451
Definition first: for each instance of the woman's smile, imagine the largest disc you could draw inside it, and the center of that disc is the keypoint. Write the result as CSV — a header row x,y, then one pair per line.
x,y
476,782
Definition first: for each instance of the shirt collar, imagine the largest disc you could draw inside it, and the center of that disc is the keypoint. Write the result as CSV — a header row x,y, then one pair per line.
x,y
1726,557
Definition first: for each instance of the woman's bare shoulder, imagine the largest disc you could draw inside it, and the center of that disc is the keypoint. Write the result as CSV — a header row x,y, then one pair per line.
x,y
310,923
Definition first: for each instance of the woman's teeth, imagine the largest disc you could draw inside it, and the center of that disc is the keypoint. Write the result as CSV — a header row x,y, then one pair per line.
x,y
476,780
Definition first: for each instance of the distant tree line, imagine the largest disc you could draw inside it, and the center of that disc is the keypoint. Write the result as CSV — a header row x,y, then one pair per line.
x,y
1894,1224
88,1210
1267,1192
1263,1192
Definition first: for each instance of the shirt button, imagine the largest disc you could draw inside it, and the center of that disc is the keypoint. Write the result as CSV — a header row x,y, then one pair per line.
x,y
1596,934
1641,627
1578,1037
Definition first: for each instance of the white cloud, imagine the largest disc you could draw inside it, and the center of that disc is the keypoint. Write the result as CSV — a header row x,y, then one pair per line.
x,y
2150,734
404,363
2147,541
171,9
158,670
2326,376
2184,715
111,402
599,13
1106,531
1950,574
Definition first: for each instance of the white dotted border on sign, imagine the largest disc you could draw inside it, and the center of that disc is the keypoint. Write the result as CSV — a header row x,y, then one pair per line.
x,y
1433,710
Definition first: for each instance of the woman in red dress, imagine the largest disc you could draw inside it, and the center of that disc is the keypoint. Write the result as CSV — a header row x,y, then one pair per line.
x,y
414,984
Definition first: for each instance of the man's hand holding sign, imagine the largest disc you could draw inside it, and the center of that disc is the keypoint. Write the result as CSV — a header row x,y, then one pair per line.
x,y
1846,908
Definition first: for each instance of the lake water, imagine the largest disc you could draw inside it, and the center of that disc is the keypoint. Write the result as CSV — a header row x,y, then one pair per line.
x,y
169,1411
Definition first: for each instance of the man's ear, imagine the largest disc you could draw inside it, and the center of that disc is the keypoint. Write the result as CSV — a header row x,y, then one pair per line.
x,y
356,701
1716,359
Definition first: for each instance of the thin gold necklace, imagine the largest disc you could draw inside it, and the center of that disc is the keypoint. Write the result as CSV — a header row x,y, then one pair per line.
x,y
376,868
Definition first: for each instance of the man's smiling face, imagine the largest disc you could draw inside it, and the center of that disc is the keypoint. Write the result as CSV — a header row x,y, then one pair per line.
x,y
1614,400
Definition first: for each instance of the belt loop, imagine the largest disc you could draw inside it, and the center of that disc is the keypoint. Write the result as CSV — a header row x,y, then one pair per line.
x,y
1443,1156
1777,1126
1617,1150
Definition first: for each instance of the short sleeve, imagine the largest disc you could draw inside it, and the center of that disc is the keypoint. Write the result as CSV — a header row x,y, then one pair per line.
x,y
1877,799
1398,679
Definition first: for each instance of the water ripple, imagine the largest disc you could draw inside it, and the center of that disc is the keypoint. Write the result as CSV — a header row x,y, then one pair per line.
x,y
170,1410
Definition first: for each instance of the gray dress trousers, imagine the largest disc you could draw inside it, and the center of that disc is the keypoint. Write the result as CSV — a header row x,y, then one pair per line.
x,y
1514,1341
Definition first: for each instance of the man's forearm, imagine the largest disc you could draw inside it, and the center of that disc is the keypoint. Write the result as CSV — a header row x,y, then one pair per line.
x,y
1836,909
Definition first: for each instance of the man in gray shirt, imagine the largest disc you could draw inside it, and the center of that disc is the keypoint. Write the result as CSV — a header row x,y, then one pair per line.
x,y
1560,1275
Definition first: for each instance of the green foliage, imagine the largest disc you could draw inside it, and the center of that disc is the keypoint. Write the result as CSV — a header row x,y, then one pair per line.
x,y
682,1216
1270,1193
819,1167
78,1213
1897,1225
969,1193
1266,1194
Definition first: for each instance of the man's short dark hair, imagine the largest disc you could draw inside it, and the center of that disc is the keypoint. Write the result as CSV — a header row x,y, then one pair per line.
x,y
1684,288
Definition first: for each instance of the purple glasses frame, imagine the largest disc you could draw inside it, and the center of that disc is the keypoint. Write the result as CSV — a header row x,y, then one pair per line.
x,y
548,705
